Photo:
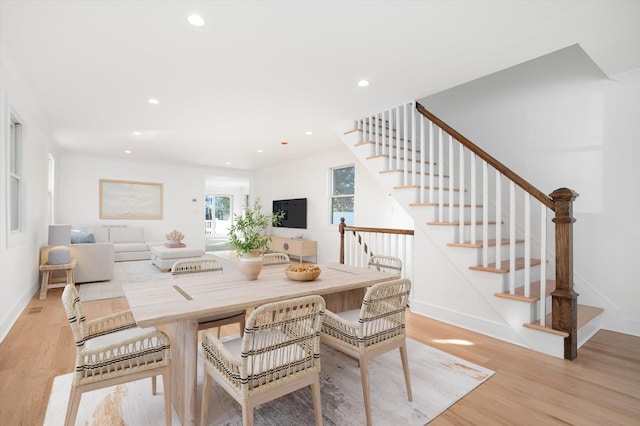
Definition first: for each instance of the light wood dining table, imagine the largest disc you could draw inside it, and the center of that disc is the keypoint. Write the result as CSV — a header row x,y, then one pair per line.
x,y
179,303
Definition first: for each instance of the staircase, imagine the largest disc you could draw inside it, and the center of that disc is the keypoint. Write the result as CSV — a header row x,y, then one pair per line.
x,y
492,252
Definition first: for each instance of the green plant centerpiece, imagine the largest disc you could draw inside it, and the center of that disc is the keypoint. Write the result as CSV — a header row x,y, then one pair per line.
x,y
246,235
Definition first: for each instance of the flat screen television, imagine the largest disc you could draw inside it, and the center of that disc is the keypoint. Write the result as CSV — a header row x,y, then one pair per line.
x,y
295,212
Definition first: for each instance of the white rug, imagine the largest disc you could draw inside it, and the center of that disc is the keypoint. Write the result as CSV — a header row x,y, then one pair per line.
x,y
130,272
438,380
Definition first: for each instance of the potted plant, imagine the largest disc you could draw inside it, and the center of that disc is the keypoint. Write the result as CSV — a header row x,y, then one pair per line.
x,y
246,235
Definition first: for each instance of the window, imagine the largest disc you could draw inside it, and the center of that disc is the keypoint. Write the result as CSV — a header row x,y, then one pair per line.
x,y
342,194
15,204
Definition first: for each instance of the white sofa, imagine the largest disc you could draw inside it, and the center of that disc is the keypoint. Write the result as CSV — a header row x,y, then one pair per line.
x,y
94,261
128,242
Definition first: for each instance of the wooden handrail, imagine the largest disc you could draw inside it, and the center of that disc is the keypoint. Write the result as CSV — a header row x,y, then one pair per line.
x,y
522,183
343,228
379,230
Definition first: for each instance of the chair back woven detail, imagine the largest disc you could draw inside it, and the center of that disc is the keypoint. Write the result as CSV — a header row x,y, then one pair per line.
x,y
270,259
196,267
381,319
383,311
83,331
388,264
111,350
137,353
281,342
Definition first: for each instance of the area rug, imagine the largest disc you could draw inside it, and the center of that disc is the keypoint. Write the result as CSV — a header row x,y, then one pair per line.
x,y
131,272
438,380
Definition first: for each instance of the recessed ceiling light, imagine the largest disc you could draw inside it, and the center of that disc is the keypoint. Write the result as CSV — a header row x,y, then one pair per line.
x,y
308,133
195,20
261,150
126,151
137,133
363,83
153,101
228,163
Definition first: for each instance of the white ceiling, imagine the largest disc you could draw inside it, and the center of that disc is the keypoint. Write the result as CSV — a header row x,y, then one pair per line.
x,y
262,72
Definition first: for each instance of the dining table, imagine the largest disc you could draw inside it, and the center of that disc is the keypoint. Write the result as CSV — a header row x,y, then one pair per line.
x,y
179,303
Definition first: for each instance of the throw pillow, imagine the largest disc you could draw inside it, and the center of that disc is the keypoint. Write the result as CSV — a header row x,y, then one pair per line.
x,y
78,236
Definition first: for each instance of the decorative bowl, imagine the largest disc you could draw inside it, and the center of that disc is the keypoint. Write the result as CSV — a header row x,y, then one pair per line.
x,y
302,272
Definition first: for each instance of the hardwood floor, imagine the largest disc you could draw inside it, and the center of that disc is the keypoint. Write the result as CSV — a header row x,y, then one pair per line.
x,y
602,387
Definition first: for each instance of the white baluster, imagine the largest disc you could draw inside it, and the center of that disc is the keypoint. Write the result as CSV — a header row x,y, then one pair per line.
x,y
452,180
432,166
414,148
543,264
440,177
376,135
473,198
485,214
405,148
423,160
387,125
498,218
461,196
512,237
397,144
527,244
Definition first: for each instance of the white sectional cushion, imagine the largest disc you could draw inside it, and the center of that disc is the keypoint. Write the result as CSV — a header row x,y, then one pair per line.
x,y
134,234
122,247
101,233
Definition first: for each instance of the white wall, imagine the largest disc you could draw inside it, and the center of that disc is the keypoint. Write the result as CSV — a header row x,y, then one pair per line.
x,y
559,122
309,179
78,194
19,259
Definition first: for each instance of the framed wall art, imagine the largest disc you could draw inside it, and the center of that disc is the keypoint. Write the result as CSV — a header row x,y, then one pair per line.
x,y
123,199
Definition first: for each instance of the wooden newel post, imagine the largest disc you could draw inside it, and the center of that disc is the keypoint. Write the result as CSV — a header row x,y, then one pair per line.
x,y
564,300
341,230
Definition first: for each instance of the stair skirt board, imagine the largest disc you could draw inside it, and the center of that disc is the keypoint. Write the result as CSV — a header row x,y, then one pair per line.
x,y
547,343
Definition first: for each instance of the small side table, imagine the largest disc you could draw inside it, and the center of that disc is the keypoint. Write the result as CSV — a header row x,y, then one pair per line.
x,y
49,282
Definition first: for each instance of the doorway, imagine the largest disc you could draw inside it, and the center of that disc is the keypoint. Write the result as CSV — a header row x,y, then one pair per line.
x,y
218,215
224,199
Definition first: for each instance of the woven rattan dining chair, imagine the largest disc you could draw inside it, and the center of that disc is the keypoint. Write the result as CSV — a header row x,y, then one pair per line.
x,y
272,259
377,327
202,267
278,354
112,350
388,264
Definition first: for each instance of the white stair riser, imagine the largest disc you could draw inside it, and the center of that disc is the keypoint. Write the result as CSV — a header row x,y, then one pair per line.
x,y
398,179
455,213
412,195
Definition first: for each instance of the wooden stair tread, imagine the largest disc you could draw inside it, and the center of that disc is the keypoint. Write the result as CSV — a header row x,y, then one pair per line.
x,y
373,157
388,145
585,314
534,293
504,266
426,187
383,172
348,132
467,222
480,243
436,205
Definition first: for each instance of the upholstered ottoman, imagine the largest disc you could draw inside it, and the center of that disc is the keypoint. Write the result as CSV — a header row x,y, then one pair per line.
x,y
164,257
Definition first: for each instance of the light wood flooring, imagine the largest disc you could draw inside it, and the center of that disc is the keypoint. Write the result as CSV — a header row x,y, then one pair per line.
x,y
602,387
